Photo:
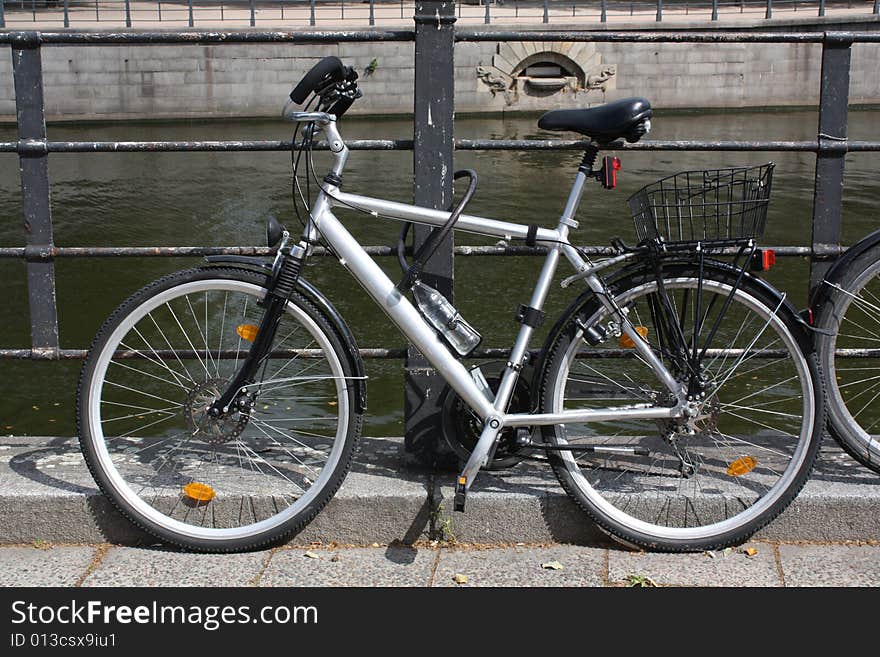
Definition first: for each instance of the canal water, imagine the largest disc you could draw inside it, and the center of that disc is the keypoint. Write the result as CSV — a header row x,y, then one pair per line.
x,y
117,199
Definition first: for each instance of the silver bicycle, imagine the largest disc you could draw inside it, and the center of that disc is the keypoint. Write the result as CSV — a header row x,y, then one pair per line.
x,y
676,400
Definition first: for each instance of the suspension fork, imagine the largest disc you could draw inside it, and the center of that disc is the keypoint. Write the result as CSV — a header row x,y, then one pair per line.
x,y
285,273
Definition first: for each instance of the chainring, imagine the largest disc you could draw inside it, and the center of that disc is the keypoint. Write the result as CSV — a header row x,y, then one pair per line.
x,y
462,427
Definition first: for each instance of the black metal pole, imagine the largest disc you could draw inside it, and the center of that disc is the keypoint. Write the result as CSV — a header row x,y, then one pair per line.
x,y
311,12
253,14
821,7
433,143
546,12
372,15
27,72
659,10
3,14
833,114
769,12
191,13
488,18
66,13
604,17
127,13
714,10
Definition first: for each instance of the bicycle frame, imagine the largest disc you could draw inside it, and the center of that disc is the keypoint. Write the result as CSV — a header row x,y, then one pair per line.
x,y
407,318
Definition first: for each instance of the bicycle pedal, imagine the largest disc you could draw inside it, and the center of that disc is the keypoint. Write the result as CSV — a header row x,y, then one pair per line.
x,y
460,495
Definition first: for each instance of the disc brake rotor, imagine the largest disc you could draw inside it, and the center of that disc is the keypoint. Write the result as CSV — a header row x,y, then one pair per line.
x,y
213,430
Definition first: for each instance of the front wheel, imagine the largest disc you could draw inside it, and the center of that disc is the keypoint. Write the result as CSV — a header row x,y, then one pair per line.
x,y
239,481
850,357
695,483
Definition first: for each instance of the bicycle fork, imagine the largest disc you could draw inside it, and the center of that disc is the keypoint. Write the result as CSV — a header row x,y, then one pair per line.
x,y
286,268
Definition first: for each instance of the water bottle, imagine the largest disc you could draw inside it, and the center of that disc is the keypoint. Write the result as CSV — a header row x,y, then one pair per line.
x,y
460,335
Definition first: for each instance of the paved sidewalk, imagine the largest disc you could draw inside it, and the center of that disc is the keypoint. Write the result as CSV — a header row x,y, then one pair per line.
x,y
771,564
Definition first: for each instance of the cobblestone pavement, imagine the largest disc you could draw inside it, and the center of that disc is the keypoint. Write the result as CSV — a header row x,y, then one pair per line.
x,y
755,564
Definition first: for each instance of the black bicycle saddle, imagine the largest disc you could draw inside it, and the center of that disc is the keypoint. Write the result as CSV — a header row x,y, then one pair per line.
x,y
628,118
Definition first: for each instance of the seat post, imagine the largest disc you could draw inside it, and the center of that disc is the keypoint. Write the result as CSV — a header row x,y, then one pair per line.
x,y
585,170
591,152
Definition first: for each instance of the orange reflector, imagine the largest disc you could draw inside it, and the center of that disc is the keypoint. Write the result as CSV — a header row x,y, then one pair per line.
x,y
247,331
627,343
462,481
199,492
742,466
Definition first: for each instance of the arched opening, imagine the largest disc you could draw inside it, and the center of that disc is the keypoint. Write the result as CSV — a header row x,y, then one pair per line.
x,y
545,73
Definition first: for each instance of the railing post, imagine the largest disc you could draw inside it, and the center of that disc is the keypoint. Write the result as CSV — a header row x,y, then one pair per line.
x,y
253,14
659,10
27,71
127,13
714,10
821,7
372,15
191,13
604,17
769,12
67,14
3,14
432,187
311,12
546,12
877,6
488,18
833,113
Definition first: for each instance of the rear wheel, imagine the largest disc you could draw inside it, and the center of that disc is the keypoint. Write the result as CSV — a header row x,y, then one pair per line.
x,y
850,357
686,484
259,472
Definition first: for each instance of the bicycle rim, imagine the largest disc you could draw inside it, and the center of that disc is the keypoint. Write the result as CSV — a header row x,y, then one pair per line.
x,y
247,474
851,358
728,471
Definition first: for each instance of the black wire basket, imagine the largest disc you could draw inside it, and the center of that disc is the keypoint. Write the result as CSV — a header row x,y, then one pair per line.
x,y
716,208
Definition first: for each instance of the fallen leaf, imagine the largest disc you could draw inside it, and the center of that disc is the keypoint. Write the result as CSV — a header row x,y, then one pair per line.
x,y
460,579
551,565
726,551
750,551
334,558
332,403
709,554
375,545
312,555
640,581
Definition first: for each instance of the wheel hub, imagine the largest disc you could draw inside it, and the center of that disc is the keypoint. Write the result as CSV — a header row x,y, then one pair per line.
x,y
215,429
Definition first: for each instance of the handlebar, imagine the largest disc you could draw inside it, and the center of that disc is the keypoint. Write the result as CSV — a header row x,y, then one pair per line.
x,y
331,80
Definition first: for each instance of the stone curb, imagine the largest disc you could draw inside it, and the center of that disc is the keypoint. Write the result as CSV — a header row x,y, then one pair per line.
x,y
46,494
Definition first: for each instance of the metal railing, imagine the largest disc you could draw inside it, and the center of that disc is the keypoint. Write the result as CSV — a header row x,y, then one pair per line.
x,y
433,146
253,13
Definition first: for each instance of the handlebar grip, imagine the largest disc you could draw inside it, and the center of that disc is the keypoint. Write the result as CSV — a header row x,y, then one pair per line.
x,y
329,69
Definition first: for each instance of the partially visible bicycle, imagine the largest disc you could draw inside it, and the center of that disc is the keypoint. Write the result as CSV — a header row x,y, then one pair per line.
x,y
677,399
847,316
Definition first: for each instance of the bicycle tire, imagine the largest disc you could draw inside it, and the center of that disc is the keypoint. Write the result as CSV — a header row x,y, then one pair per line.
x,y
254,477
634,496
850,310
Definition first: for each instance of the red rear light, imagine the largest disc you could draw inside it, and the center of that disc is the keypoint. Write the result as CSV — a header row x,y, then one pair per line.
x,y
763,259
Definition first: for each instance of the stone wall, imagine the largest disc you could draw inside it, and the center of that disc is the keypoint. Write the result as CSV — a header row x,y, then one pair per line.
x,y
153,82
